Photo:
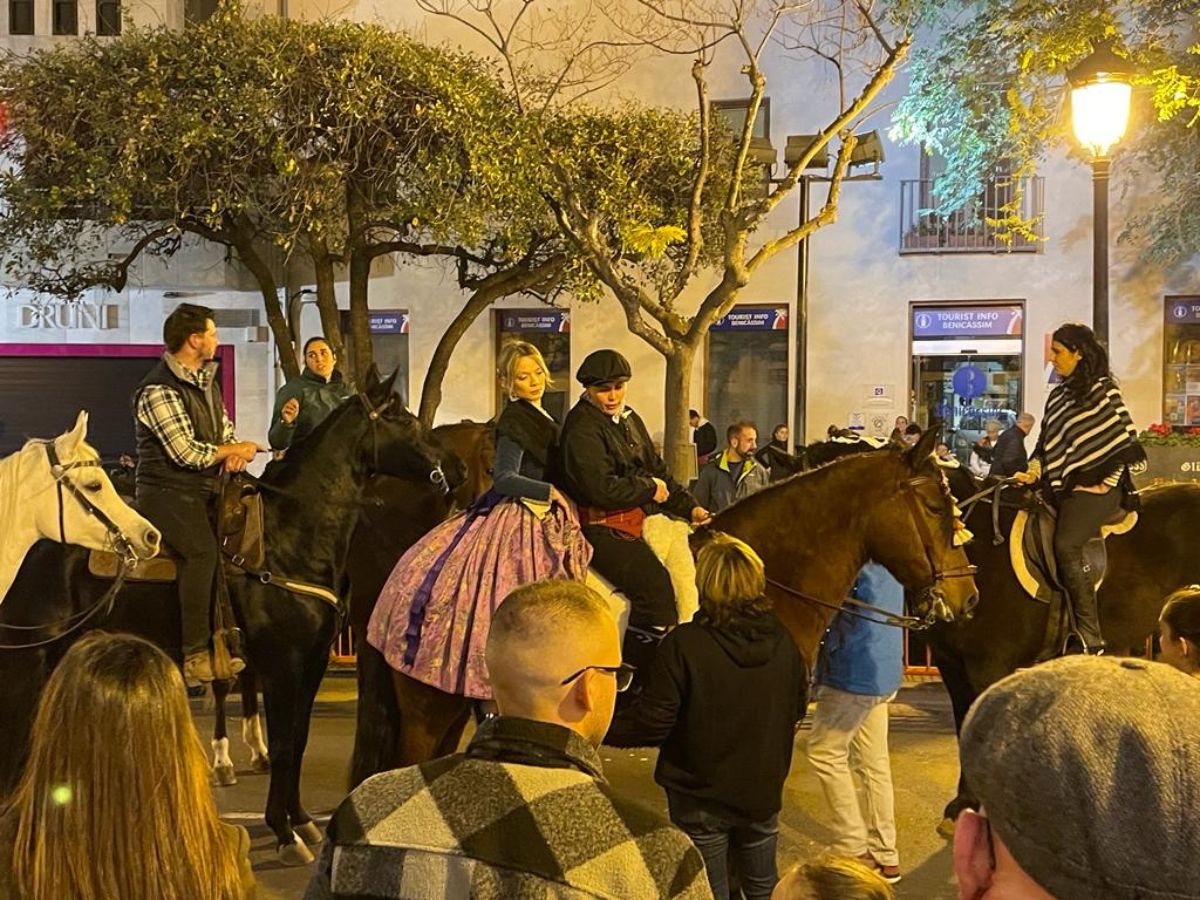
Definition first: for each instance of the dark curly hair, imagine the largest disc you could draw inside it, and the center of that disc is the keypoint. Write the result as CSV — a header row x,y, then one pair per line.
x,y
1094,362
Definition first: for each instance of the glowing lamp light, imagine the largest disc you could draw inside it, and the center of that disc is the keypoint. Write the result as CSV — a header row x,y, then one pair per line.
x,y
1100,96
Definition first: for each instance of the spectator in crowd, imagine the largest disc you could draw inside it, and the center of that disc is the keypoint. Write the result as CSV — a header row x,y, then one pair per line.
x,y
899,430
858,673
723,698
525,811
704,436
1088,770
303,403
115,799
980,461
1179,630
944,456
912,434
1009,456
833,878
732,474
770,453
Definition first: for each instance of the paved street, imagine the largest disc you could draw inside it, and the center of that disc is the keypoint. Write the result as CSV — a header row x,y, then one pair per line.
x,y
923,759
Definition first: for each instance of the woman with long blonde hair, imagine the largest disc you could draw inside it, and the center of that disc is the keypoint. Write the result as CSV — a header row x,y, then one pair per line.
x,y
115,799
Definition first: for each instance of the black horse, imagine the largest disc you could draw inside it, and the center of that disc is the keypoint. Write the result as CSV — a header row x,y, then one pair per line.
x,y
1007,633
311,505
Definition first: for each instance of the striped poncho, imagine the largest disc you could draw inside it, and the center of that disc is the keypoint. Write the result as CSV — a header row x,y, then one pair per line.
x,y
1086,440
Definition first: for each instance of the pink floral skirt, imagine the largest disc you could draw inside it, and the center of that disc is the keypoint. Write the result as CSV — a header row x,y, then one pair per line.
x,y
432,618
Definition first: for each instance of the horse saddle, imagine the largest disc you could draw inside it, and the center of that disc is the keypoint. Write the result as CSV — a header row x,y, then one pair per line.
x,y
241,534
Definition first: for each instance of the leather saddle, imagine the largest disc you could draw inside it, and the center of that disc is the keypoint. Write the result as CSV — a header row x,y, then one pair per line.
x,y
241,535
1031,551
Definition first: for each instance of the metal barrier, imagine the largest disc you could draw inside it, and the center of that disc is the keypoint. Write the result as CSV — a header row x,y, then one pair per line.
x,y
341,653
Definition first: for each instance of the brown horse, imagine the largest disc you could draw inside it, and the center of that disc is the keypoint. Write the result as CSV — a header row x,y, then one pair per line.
x,y
814,532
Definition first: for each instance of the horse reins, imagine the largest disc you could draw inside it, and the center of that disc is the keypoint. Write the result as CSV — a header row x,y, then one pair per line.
x,y
374,414
908,488
894,620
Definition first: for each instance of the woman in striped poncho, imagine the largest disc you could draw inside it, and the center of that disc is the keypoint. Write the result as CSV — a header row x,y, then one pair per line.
x,y
1087,446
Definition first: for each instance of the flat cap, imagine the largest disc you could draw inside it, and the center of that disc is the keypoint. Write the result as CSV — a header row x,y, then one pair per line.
x,y
1088,769
603,367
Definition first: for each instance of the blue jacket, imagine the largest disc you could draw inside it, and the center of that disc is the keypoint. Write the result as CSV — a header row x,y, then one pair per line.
x,y
865,657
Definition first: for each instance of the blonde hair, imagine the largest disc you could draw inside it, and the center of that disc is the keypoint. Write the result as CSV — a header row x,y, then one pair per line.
x,y
115,799
511,354
730,578
835,878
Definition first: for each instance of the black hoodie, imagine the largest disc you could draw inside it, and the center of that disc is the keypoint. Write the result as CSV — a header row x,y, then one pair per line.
x,y
724,703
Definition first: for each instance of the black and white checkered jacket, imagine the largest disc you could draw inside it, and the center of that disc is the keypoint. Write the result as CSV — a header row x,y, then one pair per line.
x,y
525,812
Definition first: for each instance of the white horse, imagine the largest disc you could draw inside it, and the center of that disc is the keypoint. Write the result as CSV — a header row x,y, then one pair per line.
x,y
56,489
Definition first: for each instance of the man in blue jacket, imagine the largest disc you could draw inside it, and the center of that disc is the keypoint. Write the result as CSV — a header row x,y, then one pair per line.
x,y
858,673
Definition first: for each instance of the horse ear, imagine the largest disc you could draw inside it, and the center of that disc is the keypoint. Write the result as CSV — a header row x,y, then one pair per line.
x,y
924,447
78,434
371,381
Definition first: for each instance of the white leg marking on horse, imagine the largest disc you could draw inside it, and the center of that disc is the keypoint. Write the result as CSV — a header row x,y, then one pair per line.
x,y
223,772
252,736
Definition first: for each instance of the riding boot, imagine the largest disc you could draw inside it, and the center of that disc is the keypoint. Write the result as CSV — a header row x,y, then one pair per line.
x,y
1076,578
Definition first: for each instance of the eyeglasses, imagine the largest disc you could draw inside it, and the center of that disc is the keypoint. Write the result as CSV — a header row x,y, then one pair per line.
x,y
623,673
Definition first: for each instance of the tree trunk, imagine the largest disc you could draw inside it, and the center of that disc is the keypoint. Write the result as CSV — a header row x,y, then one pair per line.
x,y
679,452
360,323
331,321
285,344
492,288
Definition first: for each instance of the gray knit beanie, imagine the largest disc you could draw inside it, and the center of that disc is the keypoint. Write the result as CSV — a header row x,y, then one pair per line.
x,y
1088,769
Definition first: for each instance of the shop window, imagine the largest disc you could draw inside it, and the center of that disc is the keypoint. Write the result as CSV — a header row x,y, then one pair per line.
x,y
1181,362
65,16
747,369
20,16
389,345
549,330
108,18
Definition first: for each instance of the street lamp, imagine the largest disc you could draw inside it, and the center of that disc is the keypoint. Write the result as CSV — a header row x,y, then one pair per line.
x,y
1100,94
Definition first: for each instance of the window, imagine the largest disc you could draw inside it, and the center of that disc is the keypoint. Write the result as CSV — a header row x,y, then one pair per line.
x,y
746,370
20,16
65,17
197,11
761,152
108,17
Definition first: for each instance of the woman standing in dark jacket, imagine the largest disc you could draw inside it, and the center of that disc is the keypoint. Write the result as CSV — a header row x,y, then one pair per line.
x,y
723,699
608,465
1087,445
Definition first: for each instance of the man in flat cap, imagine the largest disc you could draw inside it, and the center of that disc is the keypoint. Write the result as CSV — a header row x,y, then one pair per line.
x,y
1088,774
608,465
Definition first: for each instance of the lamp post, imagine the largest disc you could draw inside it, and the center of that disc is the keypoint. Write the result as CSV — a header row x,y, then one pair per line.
x,y
1100,96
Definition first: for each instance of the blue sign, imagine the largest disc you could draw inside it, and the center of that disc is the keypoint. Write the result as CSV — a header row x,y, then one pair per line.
x,y
969,381
558,320
1183,311
393,321
967,321
753,318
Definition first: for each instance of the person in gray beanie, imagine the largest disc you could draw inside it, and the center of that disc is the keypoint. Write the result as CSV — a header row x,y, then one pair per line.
x,y
1088,774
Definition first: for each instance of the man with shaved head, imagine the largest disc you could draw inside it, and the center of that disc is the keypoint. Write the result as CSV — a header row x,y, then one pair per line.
x,y
525,810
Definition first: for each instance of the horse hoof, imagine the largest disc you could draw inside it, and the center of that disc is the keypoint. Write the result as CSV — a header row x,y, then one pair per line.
x,y
225,775
261,765
310,833
946,828
295,854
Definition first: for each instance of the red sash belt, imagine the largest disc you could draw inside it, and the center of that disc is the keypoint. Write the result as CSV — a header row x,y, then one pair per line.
x,y
628,521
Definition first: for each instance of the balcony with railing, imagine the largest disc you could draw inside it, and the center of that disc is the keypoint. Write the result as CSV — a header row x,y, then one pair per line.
x,y
975,227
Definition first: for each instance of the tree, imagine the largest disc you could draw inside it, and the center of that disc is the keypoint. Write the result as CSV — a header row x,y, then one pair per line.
x,y
659,255
988,94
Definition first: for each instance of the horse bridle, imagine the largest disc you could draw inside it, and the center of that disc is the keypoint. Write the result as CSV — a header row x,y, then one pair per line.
x,y
374,414
121,544
932,593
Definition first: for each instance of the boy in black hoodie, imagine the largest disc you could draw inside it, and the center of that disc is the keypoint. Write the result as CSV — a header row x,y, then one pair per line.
x,y
723,698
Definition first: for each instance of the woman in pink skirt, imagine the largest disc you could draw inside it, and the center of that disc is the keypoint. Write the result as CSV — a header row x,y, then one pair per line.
x,y
432,618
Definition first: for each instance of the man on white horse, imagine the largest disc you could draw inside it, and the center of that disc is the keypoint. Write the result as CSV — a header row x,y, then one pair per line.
x,y
185,440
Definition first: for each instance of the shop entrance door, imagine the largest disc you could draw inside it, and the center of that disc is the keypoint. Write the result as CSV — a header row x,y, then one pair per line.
x,y
550,331
965,392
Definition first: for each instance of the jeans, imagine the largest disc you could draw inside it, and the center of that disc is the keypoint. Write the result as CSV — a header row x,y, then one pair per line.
x,y
1080,515
753,846
848,751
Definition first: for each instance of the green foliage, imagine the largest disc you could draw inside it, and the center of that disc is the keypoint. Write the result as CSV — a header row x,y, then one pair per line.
x,y
988,94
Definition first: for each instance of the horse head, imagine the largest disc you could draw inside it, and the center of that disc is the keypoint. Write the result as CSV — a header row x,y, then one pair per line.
x,y
397,443
914,537
74,500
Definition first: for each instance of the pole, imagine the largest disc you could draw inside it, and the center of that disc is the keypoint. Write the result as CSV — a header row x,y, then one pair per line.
x,y
799,435
1100,249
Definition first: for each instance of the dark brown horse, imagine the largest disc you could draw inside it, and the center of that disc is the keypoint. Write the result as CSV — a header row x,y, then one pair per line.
x,y
1157,557
814,532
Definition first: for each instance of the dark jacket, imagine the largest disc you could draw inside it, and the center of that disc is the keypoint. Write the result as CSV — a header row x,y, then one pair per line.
x,y
317,398
205,409
524,812
705,439
724,703
526,439
609,465
1009,456
722,483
